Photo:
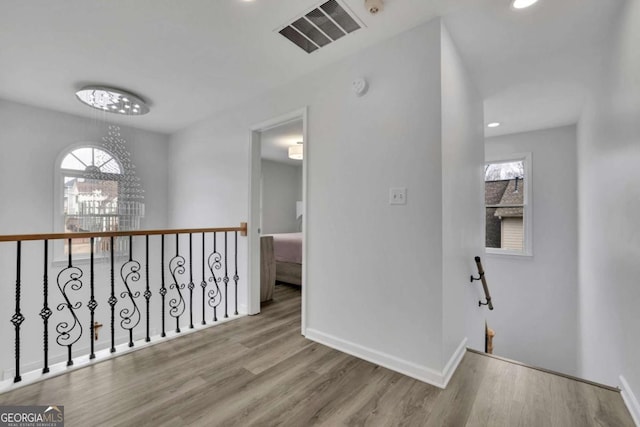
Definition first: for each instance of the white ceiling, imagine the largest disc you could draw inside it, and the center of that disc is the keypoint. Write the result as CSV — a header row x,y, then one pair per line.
x,y
192,58
275,142
533,66
188,58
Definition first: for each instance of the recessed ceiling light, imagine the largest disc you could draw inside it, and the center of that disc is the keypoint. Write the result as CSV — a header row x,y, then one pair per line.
x,y
493,125
112,100
523,4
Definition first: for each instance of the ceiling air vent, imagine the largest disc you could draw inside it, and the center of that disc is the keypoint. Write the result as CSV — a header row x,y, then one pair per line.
x,y
321,26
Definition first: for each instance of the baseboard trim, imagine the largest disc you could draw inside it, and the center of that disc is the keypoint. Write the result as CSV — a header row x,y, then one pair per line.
x,y
413,370
545,370
630,400
454,361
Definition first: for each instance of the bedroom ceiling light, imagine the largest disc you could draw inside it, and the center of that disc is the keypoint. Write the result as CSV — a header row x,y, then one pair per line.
x,y
493,125
523,4
296,151
112,100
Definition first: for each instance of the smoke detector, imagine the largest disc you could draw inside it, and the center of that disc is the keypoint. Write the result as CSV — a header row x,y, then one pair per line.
x,y
373,6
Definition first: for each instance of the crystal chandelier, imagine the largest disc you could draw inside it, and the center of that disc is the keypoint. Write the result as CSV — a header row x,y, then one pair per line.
x,y
112,100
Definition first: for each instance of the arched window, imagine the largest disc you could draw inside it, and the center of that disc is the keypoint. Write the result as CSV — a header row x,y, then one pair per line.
x,y
97,195
91,160
91,187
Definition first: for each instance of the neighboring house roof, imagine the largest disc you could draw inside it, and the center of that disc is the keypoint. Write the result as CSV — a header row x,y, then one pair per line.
x,y
505,192
494,190
509,212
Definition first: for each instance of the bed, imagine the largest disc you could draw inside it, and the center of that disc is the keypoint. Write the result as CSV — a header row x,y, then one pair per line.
x,y
287,250
281,261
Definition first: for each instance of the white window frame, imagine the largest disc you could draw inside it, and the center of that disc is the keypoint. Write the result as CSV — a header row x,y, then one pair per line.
x,y
527,244
59,257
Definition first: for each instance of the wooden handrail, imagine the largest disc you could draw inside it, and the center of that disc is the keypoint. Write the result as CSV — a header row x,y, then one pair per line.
x,y
54,236
484,284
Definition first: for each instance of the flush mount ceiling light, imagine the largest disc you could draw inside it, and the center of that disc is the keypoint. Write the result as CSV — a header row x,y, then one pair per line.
x,y
493,125
523,4
112,100
296,151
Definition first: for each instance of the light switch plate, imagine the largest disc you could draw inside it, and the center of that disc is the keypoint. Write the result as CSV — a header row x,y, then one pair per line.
x,y
398,196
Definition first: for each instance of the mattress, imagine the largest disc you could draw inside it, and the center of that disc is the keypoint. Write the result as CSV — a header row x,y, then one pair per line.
x,y
287,247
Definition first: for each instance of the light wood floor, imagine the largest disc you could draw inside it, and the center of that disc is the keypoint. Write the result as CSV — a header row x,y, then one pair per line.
x,y
260,371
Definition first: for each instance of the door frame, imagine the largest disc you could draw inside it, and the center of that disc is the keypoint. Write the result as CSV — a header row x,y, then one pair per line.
x,y
255,173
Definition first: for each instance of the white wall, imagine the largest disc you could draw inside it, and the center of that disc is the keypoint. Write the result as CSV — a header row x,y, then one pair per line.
x,y
462,200
208,181
374,270
535,298
609,154
31,139
299,191
281,188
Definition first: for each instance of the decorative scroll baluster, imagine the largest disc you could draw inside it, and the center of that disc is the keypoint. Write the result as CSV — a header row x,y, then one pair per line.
x,y
147,291
112,299
68,334
203,284
235,275
93,304
130,272
163,289
191,285
176,267
17,317
226,277
46,312
215,296
70,282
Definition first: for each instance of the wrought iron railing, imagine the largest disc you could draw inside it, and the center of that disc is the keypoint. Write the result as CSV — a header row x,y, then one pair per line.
x,y
124,285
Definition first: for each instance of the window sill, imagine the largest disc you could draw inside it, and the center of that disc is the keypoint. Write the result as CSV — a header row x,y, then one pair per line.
x,y
509,253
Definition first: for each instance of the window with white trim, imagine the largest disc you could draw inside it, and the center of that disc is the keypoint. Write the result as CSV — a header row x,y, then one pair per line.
x,y
508,205
95,197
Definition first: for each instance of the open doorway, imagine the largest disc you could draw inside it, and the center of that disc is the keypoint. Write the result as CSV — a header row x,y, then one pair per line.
x,y
278,208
